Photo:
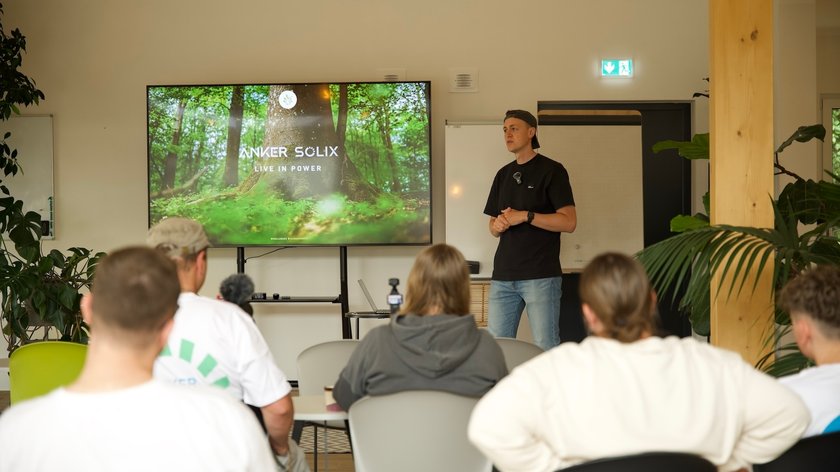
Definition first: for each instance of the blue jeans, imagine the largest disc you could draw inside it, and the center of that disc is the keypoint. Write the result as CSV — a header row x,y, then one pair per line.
x,y
541,296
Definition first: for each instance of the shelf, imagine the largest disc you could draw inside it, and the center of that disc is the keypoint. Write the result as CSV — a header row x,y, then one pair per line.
x,y
285,299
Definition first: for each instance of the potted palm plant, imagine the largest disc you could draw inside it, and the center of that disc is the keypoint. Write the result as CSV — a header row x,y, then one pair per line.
x,y
38,290
806,214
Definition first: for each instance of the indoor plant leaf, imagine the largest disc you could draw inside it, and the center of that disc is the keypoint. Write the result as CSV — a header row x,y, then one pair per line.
x,y
803,134
697,148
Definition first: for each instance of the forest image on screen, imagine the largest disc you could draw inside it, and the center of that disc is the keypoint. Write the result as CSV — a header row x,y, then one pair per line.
x,y
300,164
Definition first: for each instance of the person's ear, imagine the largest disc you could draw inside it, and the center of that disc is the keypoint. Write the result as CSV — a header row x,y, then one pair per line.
x,y
803,333
532,132
163,335
591,319
85,305
202,257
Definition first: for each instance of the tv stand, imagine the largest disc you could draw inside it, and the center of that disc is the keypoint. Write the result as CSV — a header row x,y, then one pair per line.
x,y
343,298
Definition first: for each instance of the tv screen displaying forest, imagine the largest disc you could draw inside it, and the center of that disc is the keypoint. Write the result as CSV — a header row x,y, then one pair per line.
x,y
324,164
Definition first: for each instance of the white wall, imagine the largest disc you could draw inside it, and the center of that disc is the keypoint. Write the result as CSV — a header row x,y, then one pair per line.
x,y
795,85
828,46
94,58
828,70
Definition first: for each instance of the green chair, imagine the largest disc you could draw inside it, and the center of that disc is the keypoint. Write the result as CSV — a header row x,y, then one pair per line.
x,y
38,368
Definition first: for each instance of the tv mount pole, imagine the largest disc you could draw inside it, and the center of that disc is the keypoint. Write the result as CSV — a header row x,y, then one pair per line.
x,y
343,298
240,260
346,332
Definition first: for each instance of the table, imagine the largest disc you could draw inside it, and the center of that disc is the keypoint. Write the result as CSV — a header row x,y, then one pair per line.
x,y
313,409
357,315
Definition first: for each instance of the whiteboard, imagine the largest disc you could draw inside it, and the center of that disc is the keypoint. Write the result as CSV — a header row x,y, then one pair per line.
x,y
32,136
605,170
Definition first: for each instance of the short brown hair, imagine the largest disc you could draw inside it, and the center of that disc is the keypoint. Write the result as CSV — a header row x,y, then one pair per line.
x,y
439,278
135,291
617,289
815,293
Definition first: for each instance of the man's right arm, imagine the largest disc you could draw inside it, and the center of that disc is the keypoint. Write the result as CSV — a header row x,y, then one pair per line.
x,y
774,419
506,421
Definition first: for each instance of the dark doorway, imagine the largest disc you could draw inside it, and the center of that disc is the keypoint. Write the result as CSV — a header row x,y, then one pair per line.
x,y
666,184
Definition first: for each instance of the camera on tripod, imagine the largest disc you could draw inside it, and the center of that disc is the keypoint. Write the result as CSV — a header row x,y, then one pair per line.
x,y
395,298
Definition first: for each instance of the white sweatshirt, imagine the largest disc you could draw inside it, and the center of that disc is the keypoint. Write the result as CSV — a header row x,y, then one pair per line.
x,y
603,398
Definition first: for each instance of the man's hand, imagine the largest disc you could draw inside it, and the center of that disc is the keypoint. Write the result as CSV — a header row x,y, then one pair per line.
x,y
515,217
499,225
293,461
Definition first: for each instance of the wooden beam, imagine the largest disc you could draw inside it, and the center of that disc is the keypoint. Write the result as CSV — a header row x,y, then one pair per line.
x,y
741,173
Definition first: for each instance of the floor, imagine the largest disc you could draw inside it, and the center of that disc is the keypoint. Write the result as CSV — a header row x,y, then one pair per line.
x,y
330,463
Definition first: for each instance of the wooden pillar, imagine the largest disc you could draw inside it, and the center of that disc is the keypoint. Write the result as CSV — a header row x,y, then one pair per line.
x,y
741,174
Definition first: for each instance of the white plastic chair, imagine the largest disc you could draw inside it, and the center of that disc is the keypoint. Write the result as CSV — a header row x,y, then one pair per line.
x,y
517,351
318,367
414,431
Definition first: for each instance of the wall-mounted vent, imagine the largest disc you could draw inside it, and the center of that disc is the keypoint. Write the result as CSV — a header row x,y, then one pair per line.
x,y
391,75
463,80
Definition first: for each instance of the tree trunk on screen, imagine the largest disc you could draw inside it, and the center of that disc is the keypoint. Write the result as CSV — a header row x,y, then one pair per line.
x,y
171,162
310,167
234,137
396,187
353,185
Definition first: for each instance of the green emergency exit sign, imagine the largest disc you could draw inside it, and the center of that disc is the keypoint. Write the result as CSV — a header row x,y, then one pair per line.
x,y
617,68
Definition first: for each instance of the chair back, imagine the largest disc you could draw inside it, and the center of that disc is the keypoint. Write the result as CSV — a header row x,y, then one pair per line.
x,y
517,351
38,368
319,365
683,462
814,453
414,431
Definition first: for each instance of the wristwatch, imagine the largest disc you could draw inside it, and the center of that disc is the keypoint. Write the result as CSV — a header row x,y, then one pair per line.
x,y
530,217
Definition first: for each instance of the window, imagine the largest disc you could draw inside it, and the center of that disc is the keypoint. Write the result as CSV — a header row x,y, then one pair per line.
x,y
831,145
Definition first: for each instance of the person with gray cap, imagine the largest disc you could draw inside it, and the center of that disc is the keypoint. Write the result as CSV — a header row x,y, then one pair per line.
x,y
529,205
214,342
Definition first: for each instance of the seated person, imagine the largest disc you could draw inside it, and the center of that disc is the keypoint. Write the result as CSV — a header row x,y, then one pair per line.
x,y
813,301
115,416
214,342
624,391
433,344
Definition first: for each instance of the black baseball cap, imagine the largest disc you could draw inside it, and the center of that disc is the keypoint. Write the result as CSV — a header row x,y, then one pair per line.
x,y
527,117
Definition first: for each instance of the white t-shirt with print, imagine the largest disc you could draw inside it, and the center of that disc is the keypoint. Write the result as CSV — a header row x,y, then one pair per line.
x,y
215,343
152,426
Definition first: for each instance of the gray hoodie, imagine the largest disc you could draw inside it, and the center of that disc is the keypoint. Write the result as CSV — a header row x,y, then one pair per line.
x,y
441,352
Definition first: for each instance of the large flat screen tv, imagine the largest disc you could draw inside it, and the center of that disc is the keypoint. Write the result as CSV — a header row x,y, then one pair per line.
x,y
315,164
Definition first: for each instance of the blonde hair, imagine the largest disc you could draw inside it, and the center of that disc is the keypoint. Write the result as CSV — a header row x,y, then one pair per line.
x,y
617,289
439,280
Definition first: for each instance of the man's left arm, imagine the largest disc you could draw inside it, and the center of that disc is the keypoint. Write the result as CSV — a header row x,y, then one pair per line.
x,y
278,417
563,220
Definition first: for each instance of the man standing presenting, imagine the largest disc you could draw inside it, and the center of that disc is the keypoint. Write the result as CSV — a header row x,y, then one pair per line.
x,y
215,343
529,205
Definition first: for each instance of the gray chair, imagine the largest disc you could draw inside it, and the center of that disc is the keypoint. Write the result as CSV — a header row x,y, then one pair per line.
x,y
414,431
318,367
517,351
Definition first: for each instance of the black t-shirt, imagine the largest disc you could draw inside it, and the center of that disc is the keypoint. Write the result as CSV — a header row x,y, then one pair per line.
x,y
540,185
